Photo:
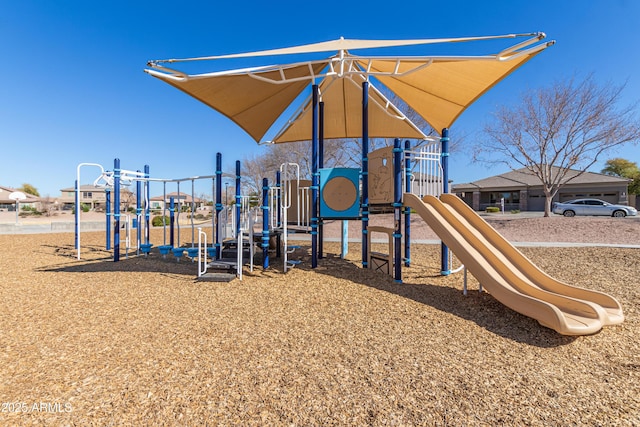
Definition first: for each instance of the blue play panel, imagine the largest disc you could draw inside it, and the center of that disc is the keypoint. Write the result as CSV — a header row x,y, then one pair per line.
x,y
340,193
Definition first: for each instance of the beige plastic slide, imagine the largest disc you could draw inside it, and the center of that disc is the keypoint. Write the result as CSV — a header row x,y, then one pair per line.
x,y
539,277
511,286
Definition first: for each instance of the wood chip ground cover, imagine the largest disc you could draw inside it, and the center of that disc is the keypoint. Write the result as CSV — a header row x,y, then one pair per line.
x,y
141,342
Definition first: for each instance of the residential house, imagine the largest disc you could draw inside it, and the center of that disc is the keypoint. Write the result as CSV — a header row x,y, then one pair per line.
x,y
522,190
95,197
182,201
8,204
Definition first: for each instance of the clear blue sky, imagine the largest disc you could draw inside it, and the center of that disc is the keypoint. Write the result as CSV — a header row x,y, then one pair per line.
x,y
73,88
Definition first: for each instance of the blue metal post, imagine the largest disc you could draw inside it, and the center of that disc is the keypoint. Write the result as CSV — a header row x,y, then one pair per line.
x,y
107,199
147,208
315,181
218,203
365,171
138,215
265,223
397,211
407,210
116,210
172,219
444,270
238,200
279,211
320,165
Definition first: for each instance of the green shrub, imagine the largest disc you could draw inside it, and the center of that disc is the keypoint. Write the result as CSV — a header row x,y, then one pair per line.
x,y
85,207
492,209
515,211
159,221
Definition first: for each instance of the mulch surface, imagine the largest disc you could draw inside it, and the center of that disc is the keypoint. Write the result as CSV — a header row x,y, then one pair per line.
x,y
141,342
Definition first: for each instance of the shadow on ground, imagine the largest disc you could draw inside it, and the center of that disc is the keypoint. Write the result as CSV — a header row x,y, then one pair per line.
x,y
430,288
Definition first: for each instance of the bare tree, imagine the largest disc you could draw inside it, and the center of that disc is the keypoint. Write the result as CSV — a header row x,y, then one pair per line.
x,y
47,205
554,130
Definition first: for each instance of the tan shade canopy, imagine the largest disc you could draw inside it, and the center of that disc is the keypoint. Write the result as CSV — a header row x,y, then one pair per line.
x,y
253,101
437,88
342,99
443,89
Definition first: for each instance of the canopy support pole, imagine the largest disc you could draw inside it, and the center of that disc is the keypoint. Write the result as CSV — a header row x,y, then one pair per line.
x,y
315,184
444,141
365,171
320,165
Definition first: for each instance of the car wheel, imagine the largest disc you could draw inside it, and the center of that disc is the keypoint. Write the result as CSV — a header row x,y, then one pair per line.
x,y
569,213
619,214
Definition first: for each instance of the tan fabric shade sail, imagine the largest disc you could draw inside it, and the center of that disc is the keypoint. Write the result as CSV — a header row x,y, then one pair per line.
x,y
441,91
342,99
437,88
252,103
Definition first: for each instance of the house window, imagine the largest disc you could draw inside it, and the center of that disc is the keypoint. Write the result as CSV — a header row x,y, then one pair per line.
x,y
87,194
510,197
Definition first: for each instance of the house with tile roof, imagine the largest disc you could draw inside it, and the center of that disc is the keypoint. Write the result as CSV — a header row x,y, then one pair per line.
x,y
95,197
522,190
8,204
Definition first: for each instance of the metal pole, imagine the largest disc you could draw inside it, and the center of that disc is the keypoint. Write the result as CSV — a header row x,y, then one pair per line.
x,y
444,268
218,202
238,202
279,211
265,223
407,211
138,214
147,208
365,171
107,197
315,184
320,165
397,211
172,220
116,210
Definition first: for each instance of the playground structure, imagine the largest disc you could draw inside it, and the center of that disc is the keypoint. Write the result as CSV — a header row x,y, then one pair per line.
x,y
439,89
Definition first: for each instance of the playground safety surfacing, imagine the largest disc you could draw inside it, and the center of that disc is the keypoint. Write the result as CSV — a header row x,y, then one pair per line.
x,y
142,342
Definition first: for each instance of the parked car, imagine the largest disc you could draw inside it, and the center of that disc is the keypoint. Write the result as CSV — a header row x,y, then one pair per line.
x,y
593,207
